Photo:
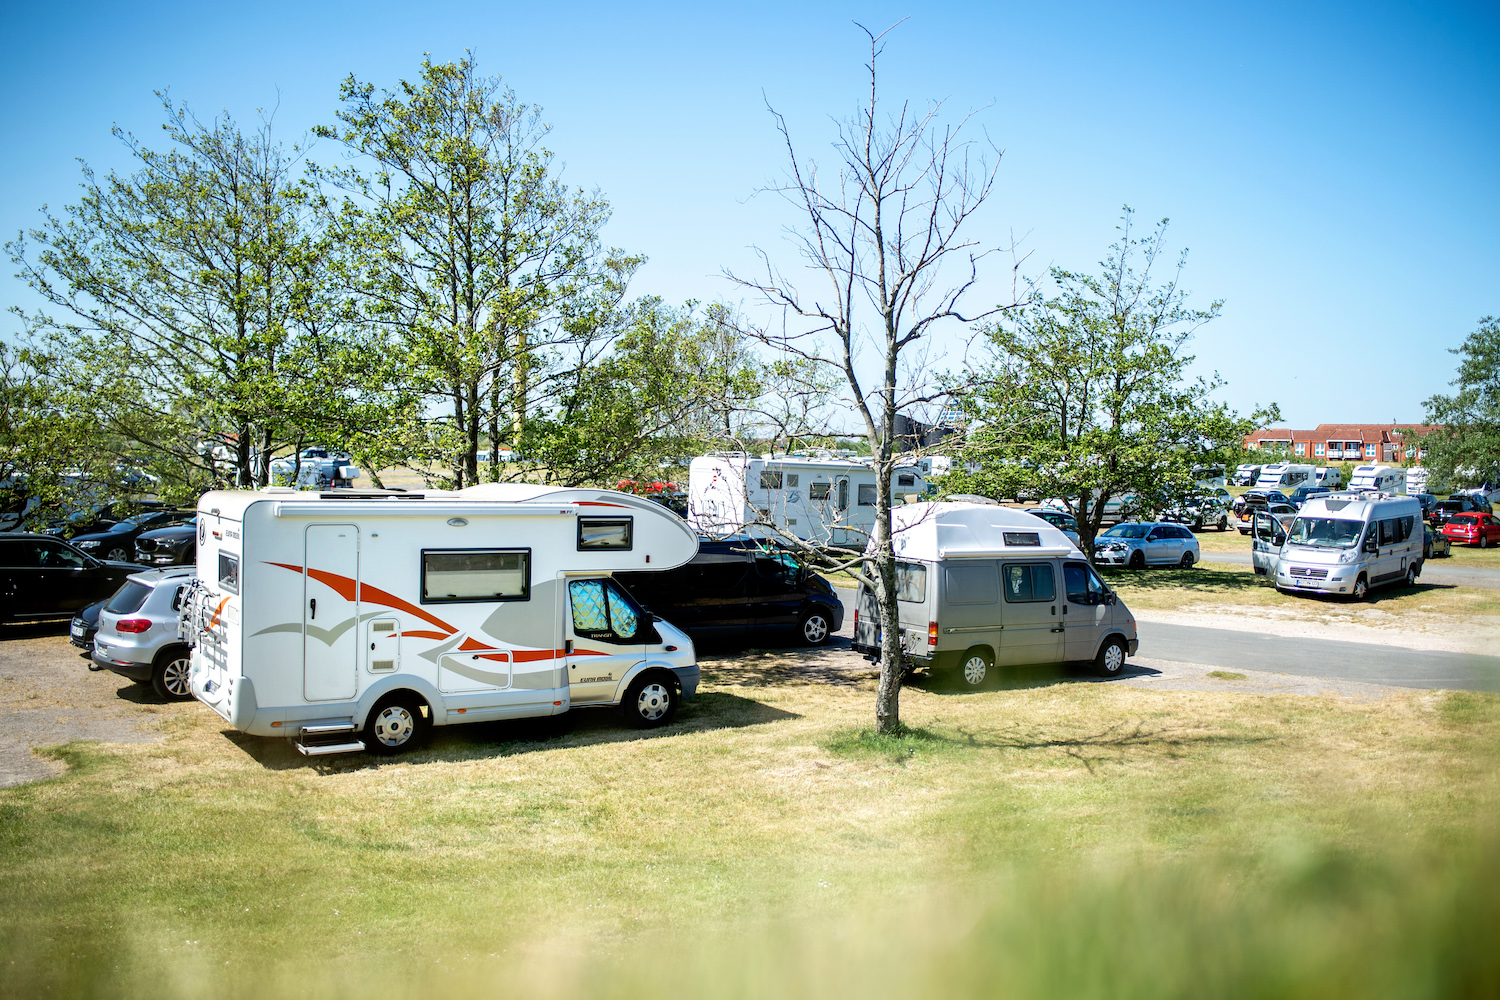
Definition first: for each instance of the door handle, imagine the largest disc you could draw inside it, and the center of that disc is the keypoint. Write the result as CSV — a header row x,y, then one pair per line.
x,y
567,645
313,604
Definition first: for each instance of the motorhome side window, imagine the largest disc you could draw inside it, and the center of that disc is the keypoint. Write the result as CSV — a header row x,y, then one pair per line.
x,y
906,480
817,491
458,575
602,611
971,584
911,582
229,573
604,533
867,495
770,480
1025,582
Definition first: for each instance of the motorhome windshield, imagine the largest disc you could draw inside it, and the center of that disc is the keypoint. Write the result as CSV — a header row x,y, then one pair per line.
x,y
1128,531
1326,532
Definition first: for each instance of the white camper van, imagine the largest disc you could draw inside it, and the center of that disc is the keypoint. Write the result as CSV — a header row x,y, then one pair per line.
x,y
1328,476
980,586
1342,543
1284,476
1380,478
820,500
349,621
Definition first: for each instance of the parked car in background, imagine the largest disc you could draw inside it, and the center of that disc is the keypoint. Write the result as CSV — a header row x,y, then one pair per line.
x,y
1445,510
1302,494
117,542
1059,519
137,632
1473,528
81,631
1150,543
1487,494
741,589
1426,500
174,546
1436,544
45,577
1206,507
1247,503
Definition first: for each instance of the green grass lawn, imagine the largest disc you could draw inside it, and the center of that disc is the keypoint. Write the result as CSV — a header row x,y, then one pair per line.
x,y
1071,839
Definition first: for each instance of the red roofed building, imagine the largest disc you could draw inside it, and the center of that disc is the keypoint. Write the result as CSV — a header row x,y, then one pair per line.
x,y
1328,443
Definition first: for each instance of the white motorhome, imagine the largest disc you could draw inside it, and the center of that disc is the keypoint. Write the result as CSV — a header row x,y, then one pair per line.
x,y
1379,478
349,621
820,500
1284,476
927,465
1328,476
1342,543
981,586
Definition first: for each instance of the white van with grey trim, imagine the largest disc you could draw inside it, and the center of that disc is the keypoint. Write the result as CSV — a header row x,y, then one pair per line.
x,y
1342,543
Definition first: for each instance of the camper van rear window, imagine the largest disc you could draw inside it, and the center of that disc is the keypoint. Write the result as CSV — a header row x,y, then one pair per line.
x,y
911,582
1026,582
451,576
604,533
229,573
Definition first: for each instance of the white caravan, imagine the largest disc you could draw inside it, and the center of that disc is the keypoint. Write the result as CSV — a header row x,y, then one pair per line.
x,y
820,500
1342,543
349,621
1380,478
1284,476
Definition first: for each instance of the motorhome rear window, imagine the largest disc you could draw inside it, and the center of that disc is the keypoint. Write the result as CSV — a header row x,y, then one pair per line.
x,y
971,584
770,480
458,575
911,582
818,491
604,533
229,573
1026,582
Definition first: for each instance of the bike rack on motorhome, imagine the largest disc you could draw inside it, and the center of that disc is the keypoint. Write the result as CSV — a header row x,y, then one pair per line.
x,y
356,620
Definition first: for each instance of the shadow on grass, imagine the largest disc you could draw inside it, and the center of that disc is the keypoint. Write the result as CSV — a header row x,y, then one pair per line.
x,y
833,665
1197,579
948,682
582,727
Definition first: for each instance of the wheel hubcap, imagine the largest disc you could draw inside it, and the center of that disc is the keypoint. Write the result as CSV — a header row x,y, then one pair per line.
x,y
815,629
118,555
1114,659
394,726
974,670
175,676
653,702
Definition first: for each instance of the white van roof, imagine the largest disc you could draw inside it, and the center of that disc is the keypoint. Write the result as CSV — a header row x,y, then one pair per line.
x,y
934,531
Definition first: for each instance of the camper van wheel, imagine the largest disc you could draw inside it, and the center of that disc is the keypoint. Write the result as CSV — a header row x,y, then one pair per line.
x,y
1111,658
1411,576
169,675
395,724
814,629
975,668
1361,588
650,701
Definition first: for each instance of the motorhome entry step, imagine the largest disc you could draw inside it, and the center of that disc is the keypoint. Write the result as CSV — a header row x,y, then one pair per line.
x,y
317,741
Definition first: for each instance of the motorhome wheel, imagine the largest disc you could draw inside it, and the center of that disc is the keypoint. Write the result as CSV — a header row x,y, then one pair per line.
x,y
1111,658
1187,560
649,702
814,628
975,668
169,676
1411,576
394,725
1361,588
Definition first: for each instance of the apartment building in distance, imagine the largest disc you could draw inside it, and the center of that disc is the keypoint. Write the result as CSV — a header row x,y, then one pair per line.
x,y
1329,443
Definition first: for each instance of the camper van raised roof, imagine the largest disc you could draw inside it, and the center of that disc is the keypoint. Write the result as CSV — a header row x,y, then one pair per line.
x,y
962,530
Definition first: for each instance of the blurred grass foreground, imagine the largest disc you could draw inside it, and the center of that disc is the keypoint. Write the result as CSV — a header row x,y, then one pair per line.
x,y
1063,840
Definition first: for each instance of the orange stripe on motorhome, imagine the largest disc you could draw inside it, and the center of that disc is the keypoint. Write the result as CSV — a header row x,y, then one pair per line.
x,y
469,644
423,634
344,587
215,619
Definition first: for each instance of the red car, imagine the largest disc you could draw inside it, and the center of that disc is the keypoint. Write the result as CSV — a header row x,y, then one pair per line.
x,y
1472,529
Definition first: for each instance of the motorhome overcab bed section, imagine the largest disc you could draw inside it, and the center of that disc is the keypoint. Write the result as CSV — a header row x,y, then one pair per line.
x,y
321,616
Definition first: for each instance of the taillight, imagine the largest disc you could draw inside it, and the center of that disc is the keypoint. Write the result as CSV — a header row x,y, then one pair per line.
x,y
856,618
132,624
932,633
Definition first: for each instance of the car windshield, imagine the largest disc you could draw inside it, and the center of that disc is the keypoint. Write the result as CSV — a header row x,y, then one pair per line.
x,y
1128,531
1326,532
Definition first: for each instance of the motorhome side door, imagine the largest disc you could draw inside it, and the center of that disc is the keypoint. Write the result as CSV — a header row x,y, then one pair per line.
x,y
1032,601
1267,536
330,612
604,635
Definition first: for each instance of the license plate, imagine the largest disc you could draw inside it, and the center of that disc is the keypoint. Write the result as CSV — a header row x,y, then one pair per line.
x,y
77,630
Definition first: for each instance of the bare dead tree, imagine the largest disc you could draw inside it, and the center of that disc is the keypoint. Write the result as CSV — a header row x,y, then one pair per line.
x,y
887,237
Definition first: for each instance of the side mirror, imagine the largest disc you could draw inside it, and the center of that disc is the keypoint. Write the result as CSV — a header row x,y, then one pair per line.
x,y
1110,598
1372,545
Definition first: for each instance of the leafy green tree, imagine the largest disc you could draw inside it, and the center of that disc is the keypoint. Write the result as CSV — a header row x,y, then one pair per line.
x,y
1086,396
475,254
1465,446
191,304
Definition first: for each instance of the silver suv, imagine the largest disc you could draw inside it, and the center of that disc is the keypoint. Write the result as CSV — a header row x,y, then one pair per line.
x,y
137,635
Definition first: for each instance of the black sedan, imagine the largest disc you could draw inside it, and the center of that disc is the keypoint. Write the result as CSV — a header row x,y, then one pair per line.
x,y
45,577
117,542
174,546
84,627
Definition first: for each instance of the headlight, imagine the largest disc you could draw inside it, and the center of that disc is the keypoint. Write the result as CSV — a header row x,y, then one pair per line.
x,y
92,544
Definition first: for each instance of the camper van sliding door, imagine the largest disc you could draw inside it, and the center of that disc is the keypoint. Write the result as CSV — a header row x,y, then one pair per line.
x,y
330,612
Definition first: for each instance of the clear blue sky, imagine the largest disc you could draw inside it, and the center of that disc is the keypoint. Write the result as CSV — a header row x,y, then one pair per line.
x,y
1333,168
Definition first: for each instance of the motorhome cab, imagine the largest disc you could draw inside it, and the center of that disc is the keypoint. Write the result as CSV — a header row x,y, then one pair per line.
x,y
822,500
1342,543
1285,476
982,586
1381,478
352,621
